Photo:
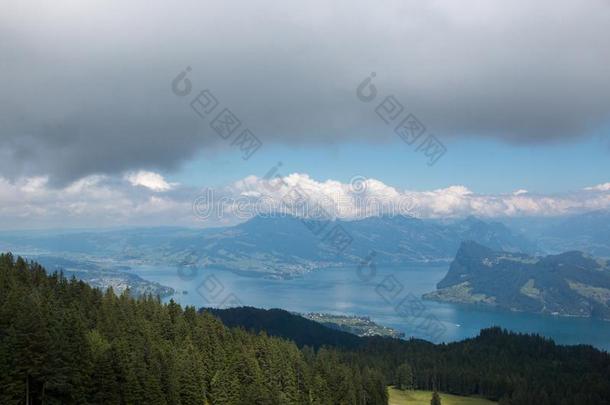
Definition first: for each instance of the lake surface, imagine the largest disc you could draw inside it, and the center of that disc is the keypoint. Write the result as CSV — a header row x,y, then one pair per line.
x,y
390,296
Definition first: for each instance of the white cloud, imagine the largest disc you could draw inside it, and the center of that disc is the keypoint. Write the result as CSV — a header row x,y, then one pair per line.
x,y
150,180
599,187
347,200
103,201
93,201
34,185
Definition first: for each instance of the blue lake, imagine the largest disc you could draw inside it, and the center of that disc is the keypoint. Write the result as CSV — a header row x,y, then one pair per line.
x,y
389,297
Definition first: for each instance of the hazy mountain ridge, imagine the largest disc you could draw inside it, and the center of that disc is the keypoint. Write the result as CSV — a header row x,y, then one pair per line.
x,y
588,232
280,246
570,284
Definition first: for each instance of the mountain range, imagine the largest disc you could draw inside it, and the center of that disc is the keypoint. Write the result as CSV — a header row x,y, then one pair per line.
x,y
588,232
571,283
285,246
277,246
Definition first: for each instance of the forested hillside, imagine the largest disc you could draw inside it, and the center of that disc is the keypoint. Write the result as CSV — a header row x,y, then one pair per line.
x,y
516,369
62,341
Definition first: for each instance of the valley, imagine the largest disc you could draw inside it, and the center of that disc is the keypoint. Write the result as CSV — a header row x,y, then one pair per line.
x,y
177,263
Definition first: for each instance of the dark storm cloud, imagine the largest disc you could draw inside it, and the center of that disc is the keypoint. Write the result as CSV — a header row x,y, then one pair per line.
x,y
86,84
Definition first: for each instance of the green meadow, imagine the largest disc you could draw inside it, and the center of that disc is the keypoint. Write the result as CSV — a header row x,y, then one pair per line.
x,y
417,397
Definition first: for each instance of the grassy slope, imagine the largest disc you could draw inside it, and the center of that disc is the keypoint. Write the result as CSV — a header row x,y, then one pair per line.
x,y
398,397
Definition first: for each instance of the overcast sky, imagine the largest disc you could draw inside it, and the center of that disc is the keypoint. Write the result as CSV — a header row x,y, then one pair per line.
x,y
87,93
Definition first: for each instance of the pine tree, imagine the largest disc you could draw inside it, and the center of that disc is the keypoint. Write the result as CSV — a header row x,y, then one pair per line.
x,y
31,346
69,363
404,376
190,376
104,384
224,388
